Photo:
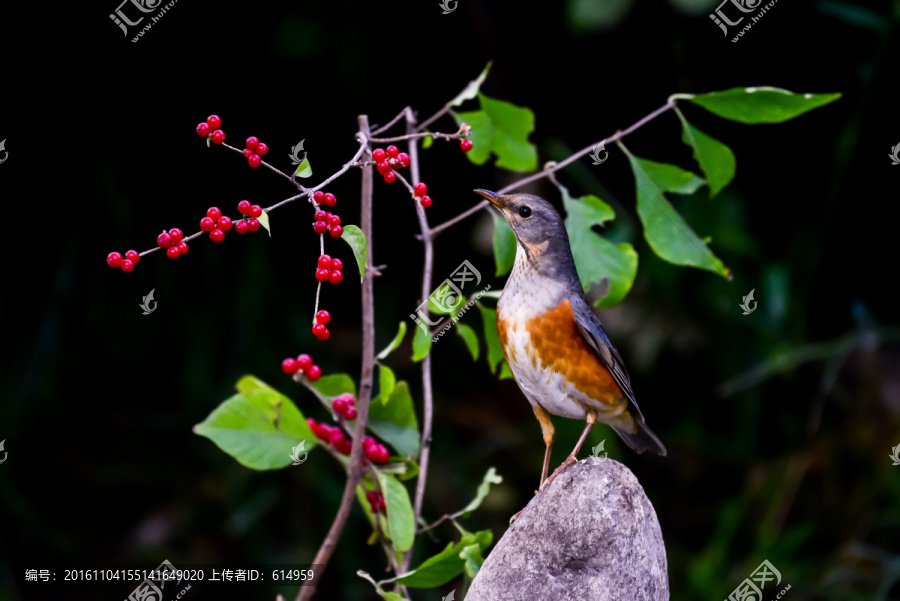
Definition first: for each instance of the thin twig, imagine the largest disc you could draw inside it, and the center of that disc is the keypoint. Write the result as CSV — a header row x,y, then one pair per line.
x,y
267,166
443,111
354,471
429,134
555,167
390,123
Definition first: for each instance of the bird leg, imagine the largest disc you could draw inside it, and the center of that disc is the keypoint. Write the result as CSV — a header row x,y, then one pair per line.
x,y
572,458
547,430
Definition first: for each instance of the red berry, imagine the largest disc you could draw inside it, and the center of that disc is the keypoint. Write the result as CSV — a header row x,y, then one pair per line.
x,y
320,332
320,227
203,130
207,224
323,317
325,262
465,144
426,201
176,235
340,405
254,161
342,445
336,231
334,220
336,277
248,152
318,195
404,159
218,136
323,432
320,216
313,373
163,240
337,264
133,256
378,155
322,274
420,190
213,213
241,226
172,252
255,211
127,266
182,248
383,168
313,425
368,441
289,366
244,207
390,178
214,122
330,199
224,223
253,224
217,236
393,151
252,142
304,362
262,149
350,414
114,260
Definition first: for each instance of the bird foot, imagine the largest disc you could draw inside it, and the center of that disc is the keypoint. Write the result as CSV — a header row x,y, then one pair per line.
x,y
570,460
515,517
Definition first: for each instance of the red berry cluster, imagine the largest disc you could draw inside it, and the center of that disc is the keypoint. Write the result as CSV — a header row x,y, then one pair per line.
x,y
251,214
375,451
216,224
343,405
302,364
329,270
255,149
210,129
115,260
330,434
319,330
387,160
173,242
321,198
376,501
324,221
420,194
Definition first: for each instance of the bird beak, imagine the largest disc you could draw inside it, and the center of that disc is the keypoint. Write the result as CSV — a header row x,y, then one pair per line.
x,y
493,197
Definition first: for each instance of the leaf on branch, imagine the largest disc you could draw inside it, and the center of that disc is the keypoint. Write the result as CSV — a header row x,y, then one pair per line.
x,y
258,426
671,178
395,343
264,221
491,338
715,159
470,338
304,169
386,383
491,477
471,90
448,564
596,258
760,105
395,421
502,128
357,240
504,244
333,385
667,233
473,559
421,343
400,521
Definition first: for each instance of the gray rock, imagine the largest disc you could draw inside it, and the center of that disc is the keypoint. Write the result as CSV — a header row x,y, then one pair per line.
x,y
592,535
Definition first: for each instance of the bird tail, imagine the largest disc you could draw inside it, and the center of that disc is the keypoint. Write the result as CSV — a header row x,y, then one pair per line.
x,y
631,428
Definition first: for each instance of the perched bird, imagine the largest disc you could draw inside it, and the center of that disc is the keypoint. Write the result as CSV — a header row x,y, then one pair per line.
x,y
556,347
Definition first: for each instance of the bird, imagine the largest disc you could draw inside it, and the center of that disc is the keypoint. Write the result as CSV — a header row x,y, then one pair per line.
x,y
556,347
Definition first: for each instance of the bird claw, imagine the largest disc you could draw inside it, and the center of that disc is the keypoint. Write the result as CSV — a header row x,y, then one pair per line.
x,y
570,460
515,517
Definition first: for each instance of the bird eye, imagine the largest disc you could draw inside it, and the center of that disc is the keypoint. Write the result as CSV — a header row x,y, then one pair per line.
x,y
524,212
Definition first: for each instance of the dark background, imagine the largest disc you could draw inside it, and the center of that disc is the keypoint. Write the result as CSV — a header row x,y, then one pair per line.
x,y
778,424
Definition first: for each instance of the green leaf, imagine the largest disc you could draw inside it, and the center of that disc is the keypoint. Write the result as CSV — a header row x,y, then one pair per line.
x,y
395,421
386,383
333,385
671,178
357,240
504,244
715,159
470,338
491,338
264,221
471,90
491,477
596,258
473,559
258,426
670,237
395,343
436,570
502,128
505,372
427,141
401,524
304,169
760,105
421,343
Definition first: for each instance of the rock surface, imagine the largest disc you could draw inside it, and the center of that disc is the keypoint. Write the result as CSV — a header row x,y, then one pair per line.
x,y
592,535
